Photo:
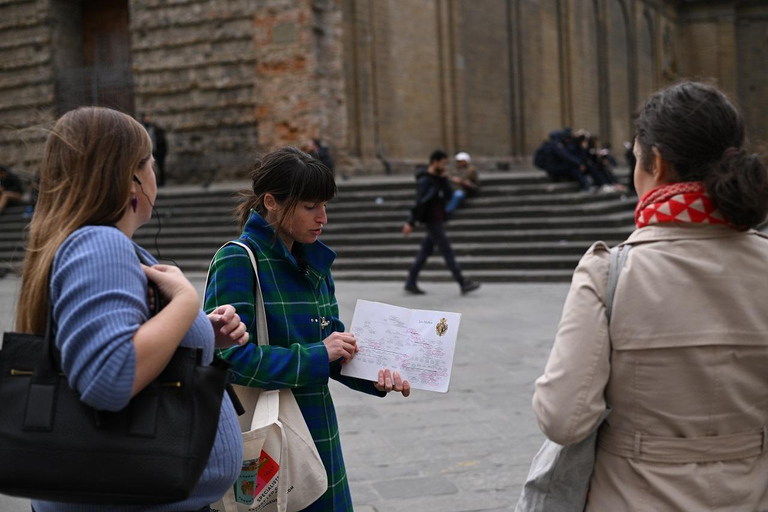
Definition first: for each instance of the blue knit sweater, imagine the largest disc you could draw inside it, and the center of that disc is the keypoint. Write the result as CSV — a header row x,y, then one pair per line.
x,y
99,296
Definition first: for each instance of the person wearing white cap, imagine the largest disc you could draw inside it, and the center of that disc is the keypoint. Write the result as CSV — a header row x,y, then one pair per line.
x,y
466,181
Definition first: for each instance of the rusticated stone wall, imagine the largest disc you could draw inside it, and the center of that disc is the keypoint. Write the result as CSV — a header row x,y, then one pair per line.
x,y
300,90
375,79
27,81
195,74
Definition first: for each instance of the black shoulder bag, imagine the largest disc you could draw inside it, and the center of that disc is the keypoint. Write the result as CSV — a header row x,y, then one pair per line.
x,y
54,447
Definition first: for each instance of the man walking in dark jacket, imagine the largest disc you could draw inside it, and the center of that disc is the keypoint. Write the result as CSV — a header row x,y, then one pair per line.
x,y
433,191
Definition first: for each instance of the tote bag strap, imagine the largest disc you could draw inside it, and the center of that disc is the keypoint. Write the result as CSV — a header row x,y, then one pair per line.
x,y
619,255
270,403
262,333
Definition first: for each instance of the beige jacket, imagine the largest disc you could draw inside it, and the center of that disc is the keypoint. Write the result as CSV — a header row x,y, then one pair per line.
x,y
684,367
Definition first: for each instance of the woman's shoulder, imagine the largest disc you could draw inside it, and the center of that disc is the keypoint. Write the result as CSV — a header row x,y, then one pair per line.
x,y
104,239
102,256
233,256
593,266
236,249
598,254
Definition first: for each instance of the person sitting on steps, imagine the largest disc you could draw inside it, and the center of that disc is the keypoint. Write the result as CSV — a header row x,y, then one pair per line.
x,y
466,181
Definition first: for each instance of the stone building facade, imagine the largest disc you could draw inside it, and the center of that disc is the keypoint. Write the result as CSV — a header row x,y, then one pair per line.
x,y
376,79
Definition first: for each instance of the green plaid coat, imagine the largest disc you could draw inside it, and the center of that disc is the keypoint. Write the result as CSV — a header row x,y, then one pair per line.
x,y
301,312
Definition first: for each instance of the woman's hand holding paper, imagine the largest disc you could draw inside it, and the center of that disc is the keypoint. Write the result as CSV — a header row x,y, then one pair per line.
x,y
389,381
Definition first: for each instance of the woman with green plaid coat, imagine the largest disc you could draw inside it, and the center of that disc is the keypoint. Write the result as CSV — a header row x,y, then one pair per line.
x,y
281,220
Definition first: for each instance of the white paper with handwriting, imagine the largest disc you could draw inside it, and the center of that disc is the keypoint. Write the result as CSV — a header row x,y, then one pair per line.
x,y
415,342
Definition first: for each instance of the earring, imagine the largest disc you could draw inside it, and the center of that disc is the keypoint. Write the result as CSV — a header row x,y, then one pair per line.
x,y
134,203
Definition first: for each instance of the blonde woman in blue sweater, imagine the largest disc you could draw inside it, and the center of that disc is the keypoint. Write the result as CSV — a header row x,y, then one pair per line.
x,y
97,187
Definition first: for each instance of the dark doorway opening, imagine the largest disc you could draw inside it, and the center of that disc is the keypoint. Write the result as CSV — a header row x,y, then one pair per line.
x,y
93,55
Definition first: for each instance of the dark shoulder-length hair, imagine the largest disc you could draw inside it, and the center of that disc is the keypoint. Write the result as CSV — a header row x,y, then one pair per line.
x,y
291,176
702,134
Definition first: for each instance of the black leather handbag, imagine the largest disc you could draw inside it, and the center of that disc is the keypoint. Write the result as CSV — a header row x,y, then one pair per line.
x,y
54,447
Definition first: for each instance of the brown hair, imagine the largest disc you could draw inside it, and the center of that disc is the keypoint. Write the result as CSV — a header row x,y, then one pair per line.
x,y
702,135
89,161
291,176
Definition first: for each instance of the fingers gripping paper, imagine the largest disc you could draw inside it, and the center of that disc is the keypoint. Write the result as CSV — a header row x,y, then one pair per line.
x,y
415,342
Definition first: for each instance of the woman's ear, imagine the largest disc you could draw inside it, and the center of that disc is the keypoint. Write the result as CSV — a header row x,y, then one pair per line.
x,y
661,170
270,203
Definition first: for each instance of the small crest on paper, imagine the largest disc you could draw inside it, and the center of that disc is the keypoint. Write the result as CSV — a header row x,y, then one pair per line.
x,y
442,327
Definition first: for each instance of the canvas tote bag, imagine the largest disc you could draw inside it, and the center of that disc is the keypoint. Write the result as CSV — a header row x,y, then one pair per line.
x,y
558,480
282,470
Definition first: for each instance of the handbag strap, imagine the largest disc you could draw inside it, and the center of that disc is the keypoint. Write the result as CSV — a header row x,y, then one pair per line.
x,y
50,360
49,368
619,255
156,307
262,333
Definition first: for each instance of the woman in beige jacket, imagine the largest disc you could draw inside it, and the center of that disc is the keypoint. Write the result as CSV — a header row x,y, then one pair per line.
x,y
684,360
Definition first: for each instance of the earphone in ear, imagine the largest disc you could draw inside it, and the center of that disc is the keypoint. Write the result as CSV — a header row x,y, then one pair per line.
x,y
136,179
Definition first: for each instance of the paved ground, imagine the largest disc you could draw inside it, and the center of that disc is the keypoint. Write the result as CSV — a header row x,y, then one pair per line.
x,y
467,450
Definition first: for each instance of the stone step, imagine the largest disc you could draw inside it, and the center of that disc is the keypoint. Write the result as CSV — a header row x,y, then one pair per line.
x,y
487,249
549,251
613,220
405,180
364,183
470,262
484,237
488,275
381,184
372,213
520,227
180,236
196,226
496,191
540,239
225,206
483,201
406,193
435,262
473,211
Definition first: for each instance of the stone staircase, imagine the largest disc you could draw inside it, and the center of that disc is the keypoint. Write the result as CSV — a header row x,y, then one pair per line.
x,y
520,227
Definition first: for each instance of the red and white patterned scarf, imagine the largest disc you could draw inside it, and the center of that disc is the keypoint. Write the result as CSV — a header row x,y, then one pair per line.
x,y
678,202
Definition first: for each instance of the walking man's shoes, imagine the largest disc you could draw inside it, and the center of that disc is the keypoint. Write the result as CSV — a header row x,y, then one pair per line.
x,y
412,288
469,286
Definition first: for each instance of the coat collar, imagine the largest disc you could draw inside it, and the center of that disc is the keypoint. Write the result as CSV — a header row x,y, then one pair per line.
x,y
318,256
684,231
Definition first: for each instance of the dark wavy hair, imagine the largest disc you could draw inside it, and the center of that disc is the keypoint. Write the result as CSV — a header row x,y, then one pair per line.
x,y
697,129
291,176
